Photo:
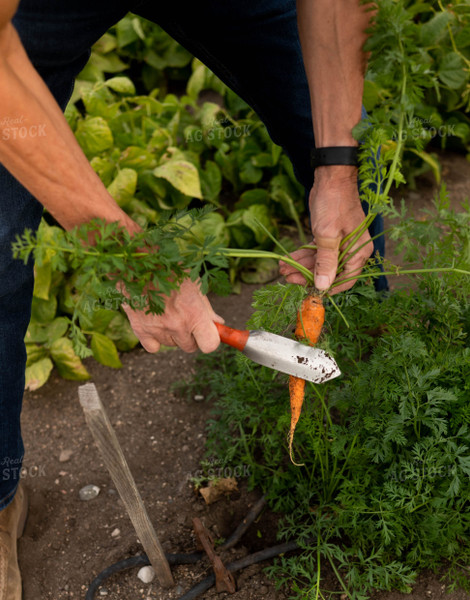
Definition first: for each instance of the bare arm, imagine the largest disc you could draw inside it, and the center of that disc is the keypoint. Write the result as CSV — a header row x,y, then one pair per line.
x,y
332,36
50,164
54,169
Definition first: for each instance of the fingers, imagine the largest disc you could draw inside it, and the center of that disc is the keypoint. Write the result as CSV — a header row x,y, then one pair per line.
x,y
354,266
326,262
206,337
188,322
306,257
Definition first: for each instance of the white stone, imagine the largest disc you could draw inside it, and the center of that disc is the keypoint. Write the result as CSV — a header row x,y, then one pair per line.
x,y
146,574
115,532
89,492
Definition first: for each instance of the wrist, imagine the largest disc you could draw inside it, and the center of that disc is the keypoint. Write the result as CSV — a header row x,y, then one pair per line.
x,y
336,174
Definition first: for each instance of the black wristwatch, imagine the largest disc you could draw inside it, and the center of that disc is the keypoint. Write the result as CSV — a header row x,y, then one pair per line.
x,y
334,155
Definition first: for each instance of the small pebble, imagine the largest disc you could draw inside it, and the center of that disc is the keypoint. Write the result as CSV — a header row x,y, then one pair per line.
x,y
115,532
146,574
65,455
103,592
198,398
89,492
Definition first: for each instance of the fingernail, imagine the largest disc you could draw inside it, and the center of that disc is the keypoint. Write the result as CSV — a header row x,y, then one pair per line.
x,y
322,282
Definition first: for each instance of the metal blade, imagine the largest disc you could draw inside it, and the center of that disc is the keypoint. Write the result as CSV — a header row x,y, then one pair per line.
x,y
291,357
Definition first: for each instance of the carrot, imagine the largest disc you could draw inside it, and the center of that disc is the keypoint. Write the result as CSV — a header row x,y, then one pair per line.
x,y
310,319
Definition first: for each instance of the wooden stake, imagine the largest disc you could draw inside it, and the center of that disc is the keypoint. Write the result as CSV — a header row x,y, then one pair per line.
x,y
115,461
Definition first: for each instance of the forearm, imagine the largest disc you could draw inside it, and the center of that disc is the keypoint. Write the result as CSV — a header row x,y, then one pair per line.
x,y
42,152
332,34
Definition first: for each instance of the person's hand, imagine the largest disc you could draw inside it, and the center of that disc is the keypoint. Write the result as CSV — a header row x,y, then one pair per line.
x,y
336,211
188,322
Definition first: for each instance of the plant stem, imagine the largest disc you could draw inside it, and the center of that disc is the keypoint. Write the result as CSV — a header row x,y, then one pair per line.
x,y
403,272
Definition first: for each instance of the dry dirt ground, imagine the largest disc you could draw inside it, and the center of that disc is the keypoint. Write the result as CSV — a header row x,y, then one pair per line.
x,y
67,542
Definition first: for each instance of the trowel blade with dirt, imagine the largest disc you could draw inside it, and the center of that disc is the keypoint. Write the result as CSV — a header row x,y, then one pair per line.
x,y
282,354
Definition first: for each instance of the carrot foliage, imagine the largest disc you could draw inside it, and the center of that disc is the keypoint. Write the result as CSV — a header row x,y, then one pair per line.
x,y
385,487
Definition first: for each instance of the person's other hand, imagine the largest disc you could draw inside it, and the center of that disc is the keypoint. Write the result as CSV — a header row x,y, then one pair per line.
x,y
188,322
335,210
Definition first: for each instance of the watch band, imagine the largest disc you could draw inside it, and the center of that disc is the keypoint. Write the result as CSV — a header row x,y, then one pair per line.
x,y
334,155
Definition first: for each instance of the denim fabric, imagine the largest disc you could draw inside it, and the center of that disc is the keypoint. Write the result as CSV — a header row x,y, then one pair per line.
x,y
252,46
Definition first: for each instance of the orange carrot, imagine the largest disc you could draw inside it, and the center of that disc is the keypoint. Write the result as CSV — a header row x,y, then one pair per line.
x,y
310,319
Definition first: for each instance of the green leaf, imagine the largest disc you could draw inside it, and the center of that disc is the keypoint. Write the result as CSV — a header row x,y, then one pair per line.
x,y
196,82
254,196
102,318
43,311
42,280
260,271
370,96
262,160
94,135
208,115
56,329
34,353
182,175
137,158
67,362
120,331
104,168
127,33
451,71
37,374
211,181
109,63
253,216
211,225
435,29
142,213
104,351
121,85
249,173
36,333
123,187
105,44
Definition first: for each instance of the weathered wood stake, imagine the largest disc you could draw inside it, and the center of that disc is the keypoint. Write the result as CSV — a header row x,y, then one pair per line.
x,y
115,461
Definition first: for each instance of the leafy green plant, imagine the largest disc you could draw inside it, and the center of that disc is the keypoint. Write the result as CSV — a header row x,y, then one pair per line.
x,y
384,490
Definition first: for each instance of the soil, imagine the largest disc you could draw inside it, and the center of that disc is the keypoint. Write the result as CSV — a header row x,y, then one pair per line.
x,y
67,541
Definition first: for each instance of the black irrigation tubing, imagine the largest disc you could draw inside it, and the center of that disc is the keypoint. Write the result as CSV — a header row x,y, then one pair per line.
x,y
242,563
139,561
247,521
193,558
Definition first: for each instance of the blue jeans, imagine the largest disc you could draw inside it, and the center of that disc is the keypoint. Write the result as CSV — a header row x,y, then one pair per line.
x,y
252,46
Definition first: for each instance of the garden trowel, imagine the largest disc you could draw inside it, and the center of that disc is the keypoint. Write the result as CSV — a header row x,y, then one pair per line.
x,y
281,354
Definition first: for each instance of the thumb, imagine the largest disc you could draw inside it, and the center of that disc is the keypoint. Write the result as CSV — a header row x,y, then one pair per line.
x,y
326,261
